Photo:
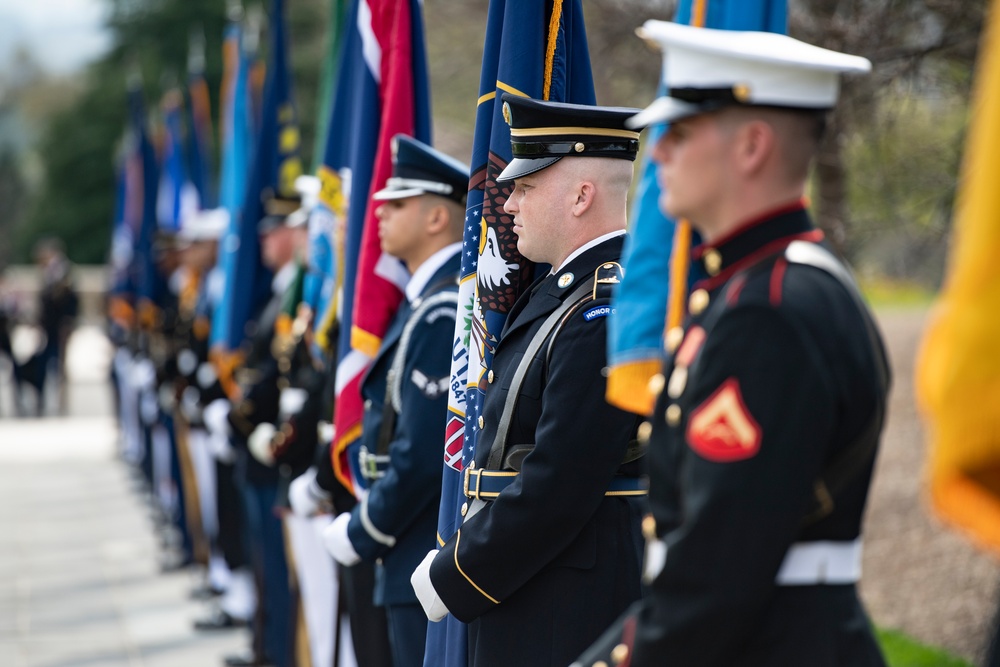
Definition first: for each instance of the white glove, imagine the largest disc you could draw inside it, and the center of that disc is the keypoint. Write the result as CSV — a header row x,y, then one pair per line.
x,y
291,400
306,497
216,417
429,599
220,447
337,542
259,443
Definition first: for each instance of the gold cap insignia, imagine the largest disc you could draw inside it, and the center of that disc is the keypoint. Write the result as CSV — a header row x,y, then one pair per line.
x,y
506,113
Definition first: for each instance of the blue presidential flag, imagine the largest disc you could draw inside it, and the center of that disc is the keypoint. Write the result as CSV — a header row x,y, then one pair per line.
x,y
538,50
651,297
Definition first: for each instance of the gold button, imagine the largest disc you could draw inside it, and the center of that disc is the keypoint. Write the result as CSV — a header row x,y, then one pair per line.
x,y
698,301
465,508
645,430
578,147
649,527
713,261
678,380
674,337
489,377
619,654
481,421
656,384
674,415
741,92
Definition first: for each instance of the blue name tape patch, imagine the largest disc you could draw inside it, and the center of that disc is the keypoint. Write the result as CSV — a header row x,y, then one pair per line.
x,y
598,311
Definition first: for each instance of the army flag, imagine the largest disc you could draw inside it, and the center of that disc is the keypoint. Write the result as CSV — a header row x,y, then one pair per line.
x,y
651,297
382,90
958,365
538,50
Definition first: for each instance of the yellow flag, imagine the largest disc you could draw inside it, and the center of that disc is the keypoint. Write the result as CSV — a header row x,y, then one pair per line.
x,y
958,365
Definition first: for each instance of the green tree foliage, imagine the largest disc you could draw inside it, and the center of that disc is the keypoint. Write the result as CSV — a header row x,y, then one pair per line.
x,y
75,200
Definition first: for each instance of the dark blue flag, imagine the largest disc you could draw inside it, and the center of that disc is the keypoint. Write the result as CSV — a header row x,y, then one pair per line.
x,y
528,52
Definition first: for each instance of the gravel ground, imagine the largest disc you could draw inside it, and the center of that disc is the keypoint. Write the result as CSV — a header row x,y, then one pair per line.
x,y
919,576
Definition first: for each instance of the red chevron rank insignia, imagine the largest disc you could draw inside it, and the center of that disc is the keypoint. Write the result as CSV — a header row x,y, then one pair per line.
x,y
722,429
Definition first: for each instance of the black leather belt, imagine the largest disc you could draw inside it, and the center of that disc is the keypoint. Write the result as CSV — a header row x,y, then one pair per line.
x,y
481,484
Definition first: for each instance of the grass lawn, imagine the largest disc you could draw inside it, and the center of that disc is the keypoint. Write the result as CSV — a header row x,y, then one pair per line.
x,y
902,651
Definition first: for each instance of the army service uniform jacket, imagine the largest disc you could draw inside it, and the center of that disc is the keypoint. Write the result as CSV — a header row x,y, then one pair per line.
x,y
541,569
777,376
396,520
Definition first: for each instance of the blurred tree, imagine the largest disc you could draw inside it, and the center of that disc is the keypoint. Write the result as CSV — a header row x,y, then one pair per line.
x,y
921,48
12,199
75,200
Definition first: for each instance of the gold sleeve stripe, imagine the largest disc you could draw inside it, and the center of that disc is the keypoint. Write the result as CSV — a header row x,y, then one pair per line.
x,y
458,539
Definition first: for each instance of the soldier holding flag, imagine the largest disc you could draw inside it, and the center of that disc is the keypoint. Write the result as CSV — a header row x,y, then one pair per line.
x,y
405,390
548,553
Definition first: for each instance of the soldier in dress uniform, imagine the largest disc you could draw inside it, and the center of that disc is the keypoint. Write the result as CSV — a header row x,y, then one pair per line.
x,y
259,403
773,392
406,390
549,551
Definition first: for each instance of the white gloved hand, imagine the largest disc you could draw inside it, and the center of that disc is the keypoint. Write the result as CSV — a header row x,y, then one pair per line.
x,y
291,400
216,417
429,599
338,543
306,497
220,447
259,443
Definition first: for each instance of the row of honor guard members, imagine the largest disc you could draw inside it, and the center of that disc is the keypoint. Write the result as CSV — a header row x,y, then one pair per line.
x,y
548,554
773,391
420,216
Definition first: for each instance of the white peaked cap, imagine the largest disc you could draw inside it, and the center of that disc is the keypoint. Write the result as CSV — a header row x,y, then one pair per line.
x,y
706,69
308,187
205,225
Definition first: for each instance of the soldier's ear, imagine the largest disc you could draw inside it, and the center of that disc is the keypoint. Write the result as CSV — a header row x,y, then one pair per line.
x,y
585,191
438,218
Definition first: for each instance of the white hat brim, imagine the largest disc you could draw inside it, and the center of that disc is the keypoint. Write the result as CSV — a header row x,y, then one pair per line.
x,y
386,194
663,110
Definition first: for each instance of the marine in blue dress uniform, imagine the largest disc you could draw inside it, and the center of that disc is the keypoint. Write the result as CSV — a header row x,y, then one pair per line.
x,y
774,389
406,390
549,551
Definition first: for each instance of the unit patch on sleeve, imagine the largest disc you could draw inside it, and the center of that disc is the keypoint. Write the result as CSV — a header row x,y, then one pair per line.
x,y
430,387
722,429
596,312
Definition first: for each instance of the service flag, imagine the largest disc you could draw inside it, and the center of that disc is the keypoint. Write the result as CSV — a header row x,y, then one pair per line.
x,y
651,297
382,90
958,366
177,196
237,131
538,50
276,165
199,137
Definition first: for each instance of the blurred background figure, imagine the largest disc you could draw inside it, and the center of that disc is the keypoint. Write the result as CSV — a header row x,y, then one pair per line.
x,y
58,306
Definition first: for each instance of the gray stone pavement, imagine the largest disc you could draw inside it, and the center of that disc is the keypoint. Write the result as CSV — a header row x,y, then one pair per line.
x,y
80,583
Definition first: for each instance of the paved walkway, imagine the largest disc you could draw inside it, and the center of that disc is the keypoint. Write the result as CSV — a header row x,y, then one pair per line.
x,y
80,584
